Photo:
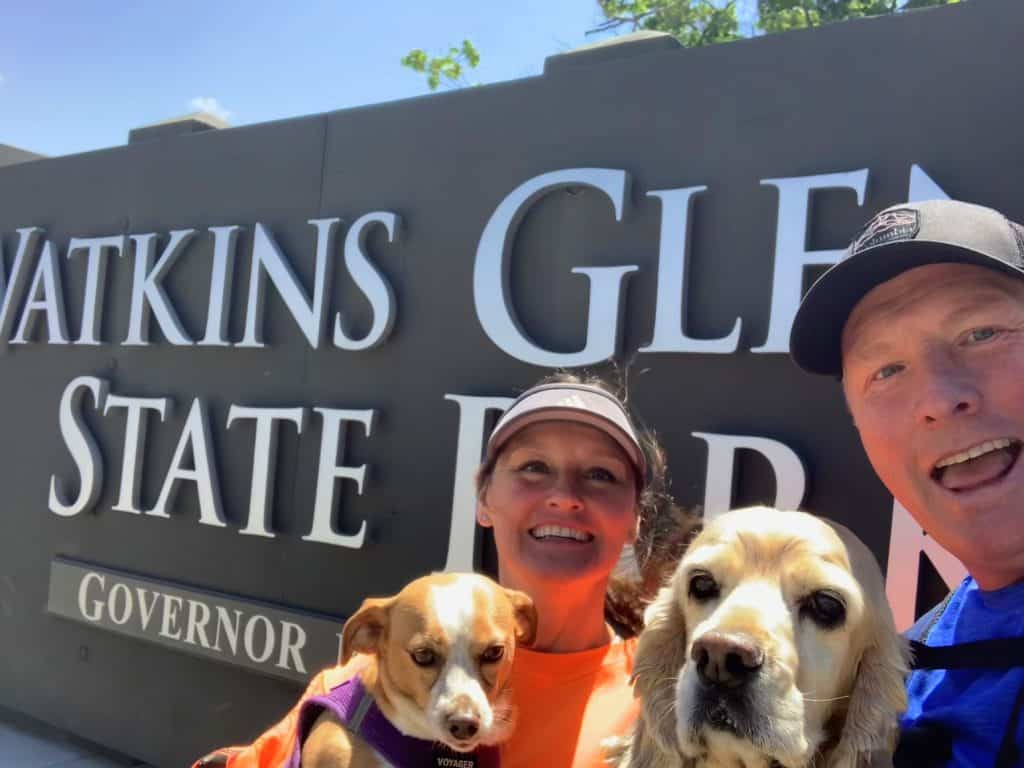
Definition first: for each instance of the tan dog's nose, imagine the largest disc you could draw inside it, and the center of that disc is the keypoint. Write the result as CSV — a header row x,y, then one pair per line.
x,y
463,727
726,659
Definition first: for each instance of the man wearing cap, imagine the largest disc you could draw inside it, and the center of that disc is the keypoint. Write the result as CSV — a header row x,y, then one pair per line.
x,y
923,323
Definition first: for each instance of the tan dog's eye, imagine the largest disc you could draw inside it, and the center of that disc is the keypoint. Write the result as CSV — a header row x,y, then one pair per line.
x,y
824,609
703,587
423,657
492,654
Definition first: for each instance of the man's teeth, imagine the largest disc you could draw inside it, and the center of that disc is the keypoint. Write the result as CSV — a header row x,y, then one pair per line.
x,y
544,531
975,452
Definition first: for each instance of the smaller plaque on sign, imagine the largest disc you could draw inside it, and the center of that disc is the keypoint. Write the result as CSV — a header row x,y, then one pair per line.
x,y
260,636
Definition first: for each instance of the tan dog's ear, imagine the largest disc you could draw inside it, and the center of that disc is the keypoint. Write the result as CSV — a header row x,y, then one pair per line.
x,y
363,630
877,700
660,656
525,615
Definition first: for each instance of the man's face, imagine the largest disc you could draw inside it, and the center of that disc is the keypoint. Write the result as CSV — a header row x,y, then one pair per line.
x,y
933,372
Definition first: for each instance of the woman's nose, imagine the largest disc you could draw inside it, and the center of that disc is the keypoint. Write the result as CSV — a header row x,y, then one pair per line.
x,y
565,496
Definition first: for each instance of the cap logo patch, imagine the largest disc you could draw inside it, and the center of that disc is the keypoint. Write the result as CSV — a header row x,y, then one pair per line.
x,y
888,227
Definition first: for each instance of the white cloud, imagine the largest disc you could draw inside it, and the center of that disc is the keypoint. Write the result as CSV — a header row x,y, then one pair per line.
x,y
209,104
1,79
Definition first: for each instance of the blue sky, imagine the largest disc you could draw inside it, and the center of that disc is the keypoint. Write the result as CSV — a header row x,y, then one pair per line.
x,y
77,76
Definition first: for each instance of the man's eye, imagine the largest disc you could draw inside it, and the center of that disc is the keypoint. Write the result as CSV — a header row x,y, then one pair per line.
x,y
887,371
979,335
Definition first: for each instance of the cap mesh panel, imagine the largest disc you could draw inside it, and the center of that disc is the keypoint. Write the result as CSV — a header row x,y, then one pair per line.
x,y
1018,232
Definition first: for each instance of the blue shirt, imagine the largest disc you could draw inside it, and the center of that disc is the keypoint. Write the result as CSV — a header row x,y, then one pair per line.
x,y
975,705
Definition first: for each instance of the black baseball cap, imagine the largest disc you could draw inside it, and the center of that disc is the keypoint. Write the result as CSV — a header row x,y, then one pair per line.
x,y
897,239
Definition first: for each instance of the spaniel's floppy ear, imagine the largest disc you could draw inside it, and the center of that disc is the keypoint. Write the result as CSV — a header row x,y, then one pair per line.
x,y
660,656
878,697
365,628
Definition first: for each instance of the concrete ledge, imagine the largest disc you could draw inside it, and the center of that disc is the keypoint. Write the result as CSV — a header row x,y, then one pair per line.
x,y
620,47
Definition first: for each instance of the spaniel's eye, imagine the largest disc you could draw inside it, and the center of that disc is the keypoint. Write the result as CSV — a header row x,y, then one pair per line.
x,y
493,654
703,587
824,609
423,657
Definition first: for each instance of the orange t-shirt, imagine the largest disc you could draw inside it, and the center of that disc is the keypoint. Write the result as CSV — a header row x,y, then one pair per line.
x,y
567,703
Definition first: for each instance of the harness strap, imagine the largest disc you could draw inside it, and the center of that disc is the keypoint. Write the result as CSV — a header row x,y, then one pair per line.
x,y
981,654
355,722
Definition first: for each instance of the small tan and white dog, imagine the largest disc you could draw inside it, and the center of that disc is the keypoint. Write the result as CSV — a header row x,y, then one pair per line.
x,y
439,657
772,646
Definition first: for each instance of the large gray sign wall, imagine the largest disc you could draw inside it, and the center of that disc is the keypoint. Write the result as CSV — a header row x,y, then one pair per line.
x,y
247,373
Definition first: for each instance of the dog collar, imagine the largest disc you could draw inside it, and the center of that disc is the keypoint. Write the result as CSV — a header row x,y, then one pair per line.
x,y
355,707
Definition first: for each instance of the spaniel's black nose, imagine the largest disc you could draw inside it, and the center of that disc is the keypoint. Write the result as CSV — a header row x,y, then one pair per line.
x,y
726,659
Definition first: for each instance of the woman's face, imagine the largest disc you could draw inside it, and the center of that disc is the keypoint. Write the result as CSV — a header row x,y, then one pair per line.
x,y
562,503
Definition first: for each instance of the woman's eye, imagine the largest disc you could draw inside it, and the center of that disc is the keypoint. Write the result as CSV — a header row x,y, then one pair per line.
x,y
703,587
602,474
492,654
534,467
887,371
423,657
979,335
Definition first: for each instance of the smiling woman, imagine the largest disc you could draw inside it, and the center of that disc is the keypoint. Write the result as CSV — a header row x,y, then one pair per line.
x,y
568,485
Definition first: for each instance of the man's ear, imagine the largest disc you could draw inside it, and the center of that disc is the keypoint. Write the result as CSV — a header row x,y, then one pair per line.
x,y
525,615
365,628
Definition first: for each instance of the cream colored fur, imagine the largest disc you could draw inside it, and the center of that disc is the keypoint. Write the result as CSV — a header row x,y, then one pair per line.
x,y
766,562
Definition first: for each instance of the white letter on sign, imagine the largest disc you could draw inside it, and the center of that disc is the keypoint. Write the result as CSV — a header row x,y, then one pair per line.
x,y
27,239
370,281
263,459
195,435
134,438
491,292
328,472
906,543
45,295
83,603
95,279
222,273
922,187
462,534
790,476
791,254
670,307
148,295
268,260
82,446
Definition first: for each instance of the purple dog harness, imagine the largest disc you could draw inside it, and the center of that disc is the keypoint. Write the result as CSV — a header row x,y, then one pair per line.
x,y
356,708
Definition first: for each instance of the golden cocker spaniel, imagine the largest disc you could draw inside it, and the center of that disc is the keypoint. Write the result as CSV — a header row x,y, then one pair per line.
x,y
771,646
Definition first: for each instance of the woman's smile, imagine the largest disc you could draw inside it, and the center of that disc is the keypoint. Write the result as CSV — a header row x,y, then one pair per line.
x,y
562,503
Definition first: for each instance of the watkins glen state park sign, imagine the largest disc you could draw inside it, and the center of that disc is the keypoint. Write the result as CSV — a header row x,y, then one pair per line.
x,y
248,373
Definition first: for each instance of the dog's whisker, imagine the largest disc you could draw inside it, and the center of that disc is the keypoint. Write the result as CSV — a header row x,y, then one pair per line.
x,y
834,698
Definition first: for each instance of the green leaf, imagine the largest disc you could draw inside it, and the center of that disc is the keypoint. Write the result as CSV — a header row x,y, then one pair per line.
x,y
447,68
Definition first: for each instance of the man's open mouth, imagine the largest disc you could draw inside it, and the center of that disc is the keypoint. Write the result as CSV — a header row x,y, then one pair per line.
x,y
559,532
978,465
